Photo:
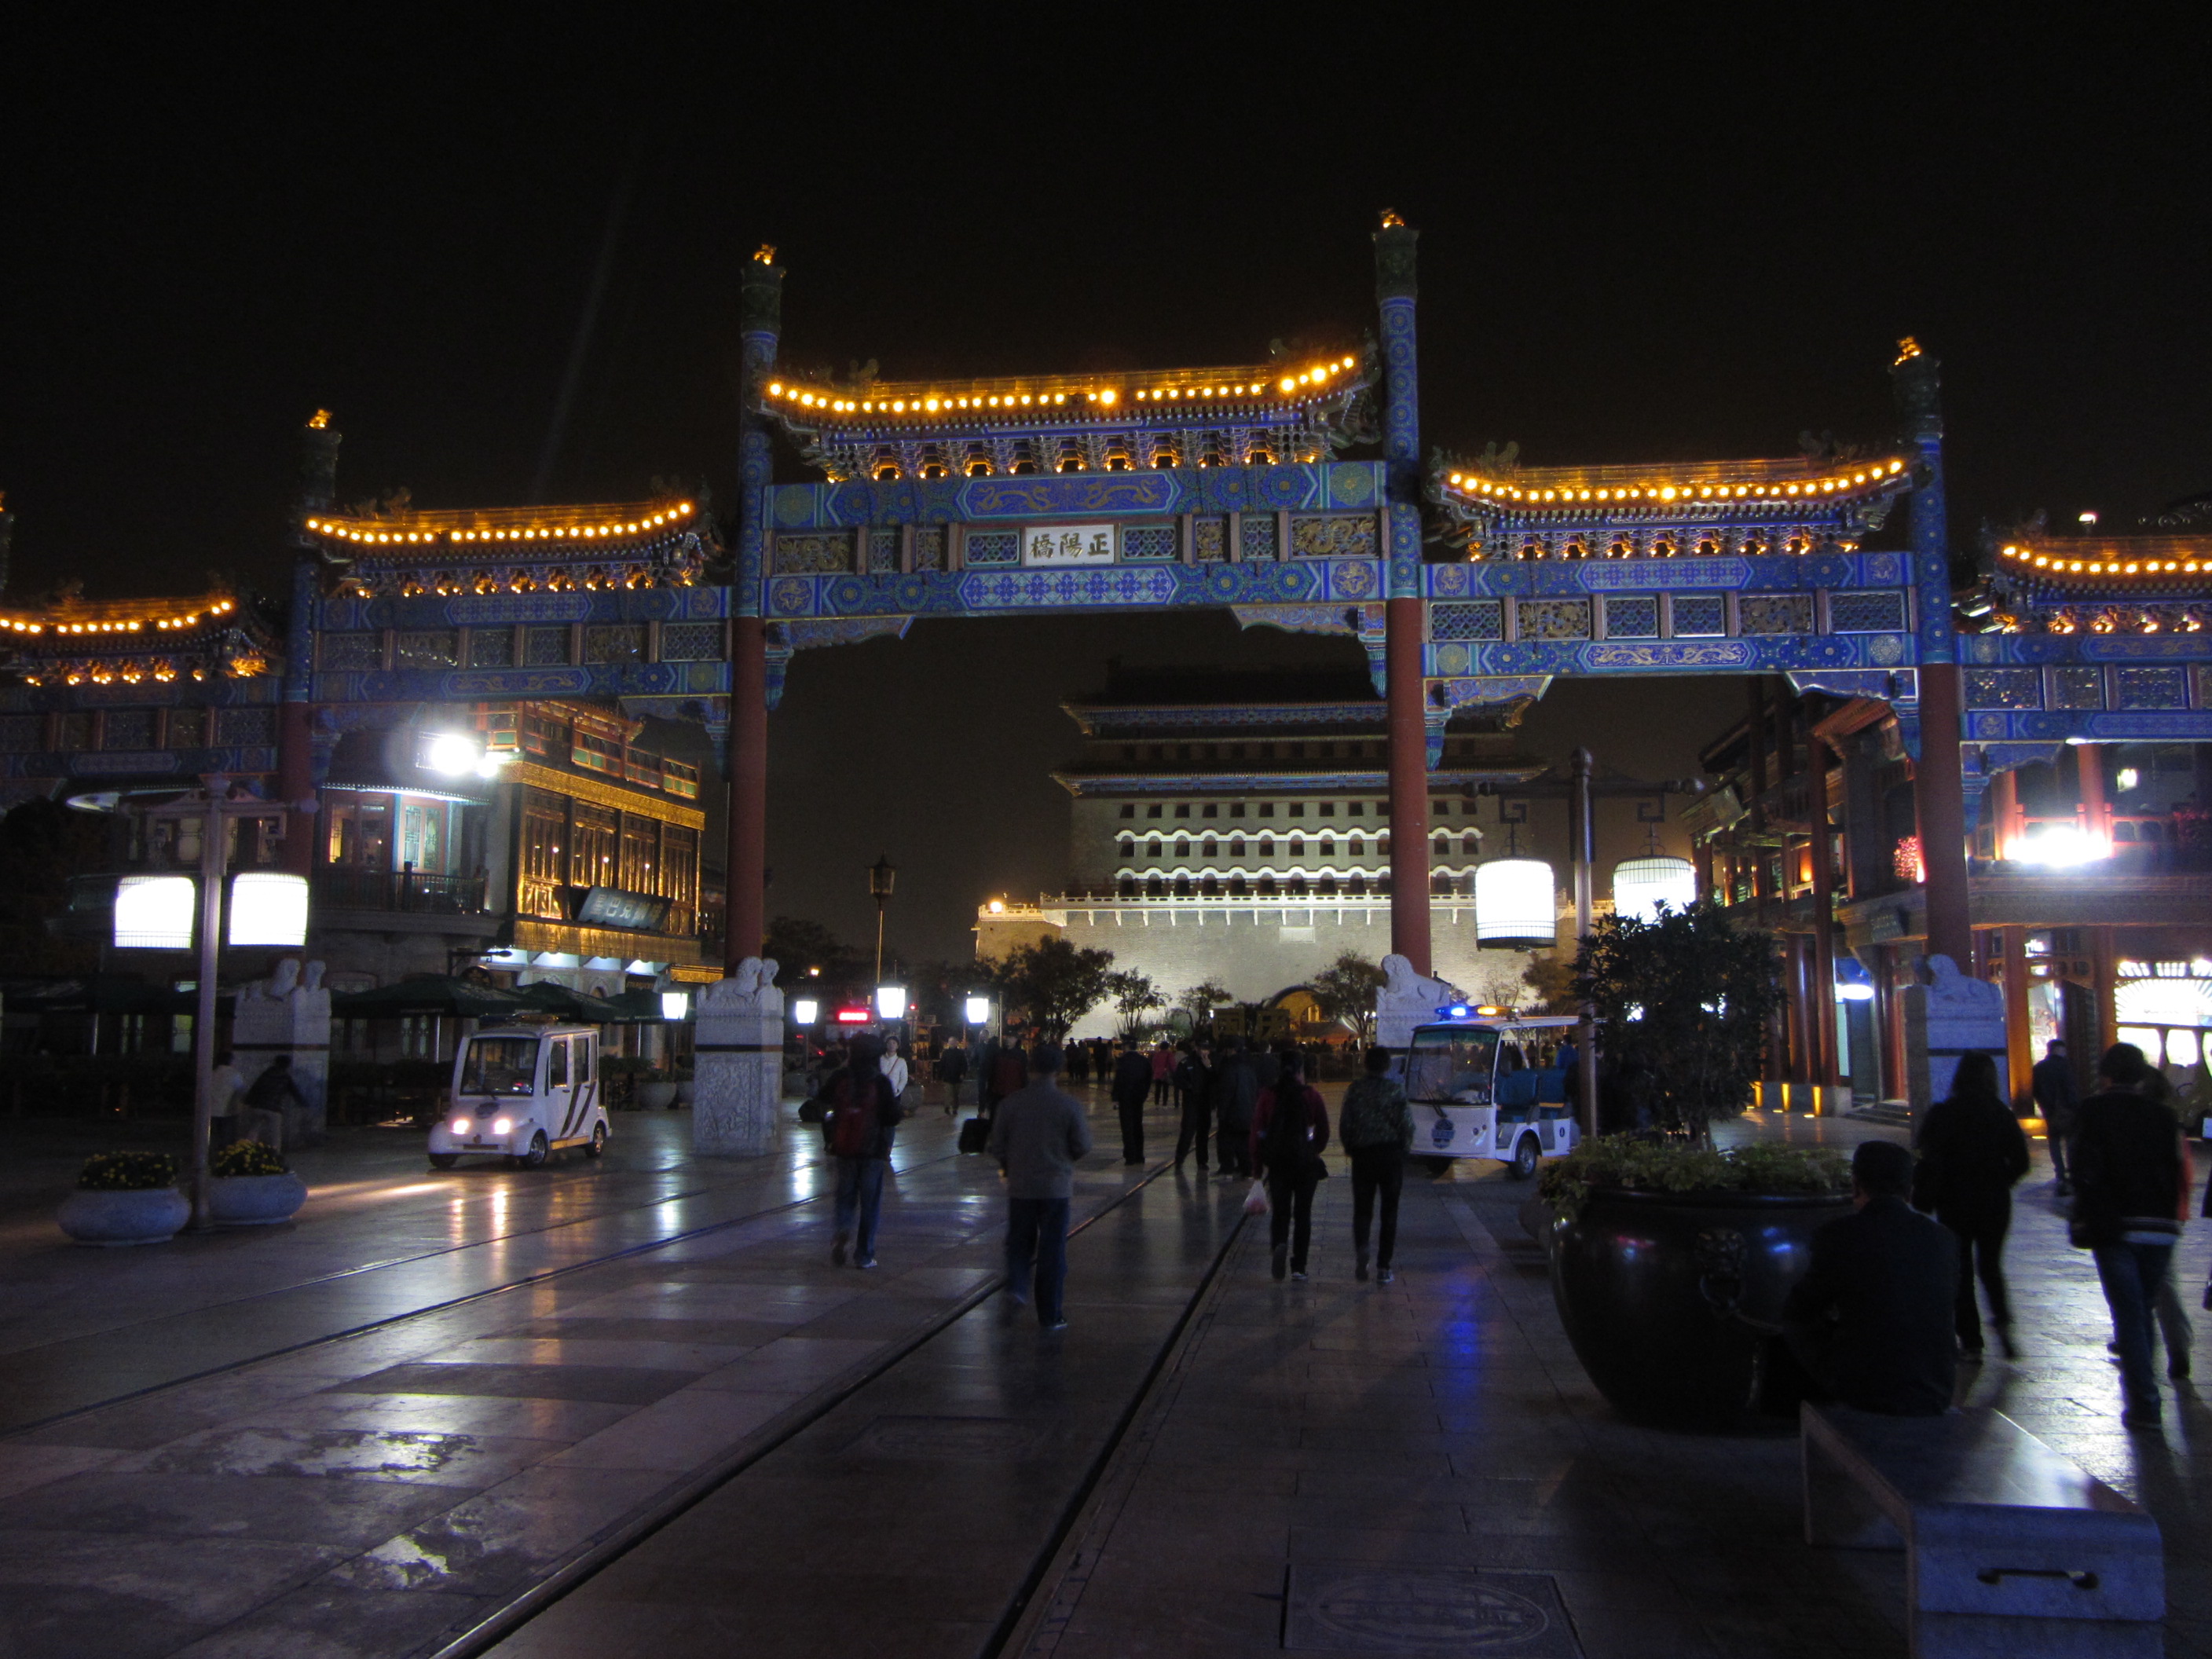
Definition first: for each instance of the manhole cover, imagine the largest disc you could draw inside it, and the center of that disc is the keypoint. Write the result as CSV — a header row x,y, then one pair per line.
x,y
1370,1609
946,1437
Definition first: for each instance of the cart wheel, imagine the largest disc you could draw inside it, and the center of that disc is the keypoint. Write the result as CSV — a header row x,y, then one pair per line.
x,y
444,1160
535,1157
1526,1156
598,1143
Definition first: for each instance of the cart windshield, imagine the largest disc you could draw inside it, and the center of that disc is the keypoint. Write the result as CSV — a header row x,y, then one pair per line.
x,y
1451,1067
500,1066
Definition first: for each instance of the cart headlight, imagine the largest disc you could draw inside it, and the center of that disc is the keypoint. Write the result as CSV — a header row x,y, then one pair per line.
x,y
500,1126
459,1126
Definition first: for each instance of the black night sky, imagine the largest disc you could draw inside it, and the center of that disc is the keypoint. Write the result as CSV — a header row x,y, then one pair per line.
x,y
1669,239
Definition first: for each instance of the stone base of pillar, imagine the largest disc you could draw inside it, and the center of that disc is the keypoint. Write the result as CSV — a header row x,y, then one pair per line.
x,y
738,1068
289,1013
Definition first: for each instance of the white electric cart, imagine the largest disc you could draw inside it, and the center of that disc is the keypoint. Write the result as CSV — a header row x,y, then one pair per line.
x,y
523,1092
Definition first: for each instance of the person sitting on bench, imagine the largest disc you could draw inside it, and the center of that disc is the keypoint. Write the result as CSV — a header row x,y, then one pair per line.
x,y
1873,1319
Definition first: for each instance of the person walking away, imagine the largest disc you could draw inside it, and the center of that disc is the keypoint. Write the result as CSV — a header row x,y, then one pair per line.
x,y
1037,1135
2127,1170
1971,1153
1873,1318
276,1093
1009,1070
1290,1130
1235,1095
860,1127
1375,1126
1162,1073
2170,1316
1265,1065
1196,1131
952,1071
1132,1084
2056,1099
1189,1074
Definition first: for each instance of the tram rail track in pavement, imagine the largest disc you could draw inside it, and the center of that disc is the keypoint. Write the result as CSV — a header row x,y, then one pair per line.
x,y
306,1287
637,1529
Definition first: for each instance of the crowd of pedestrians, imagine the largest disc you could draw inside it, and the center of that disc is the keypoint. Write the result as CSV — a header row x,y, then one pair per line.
x,y
1899,1294
1888,1310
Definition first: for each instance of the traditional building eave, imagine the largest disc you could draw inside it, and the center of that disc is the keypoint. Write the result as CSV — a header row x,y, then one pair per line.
x,y
1300,410
2146,585
1291,780
1791,506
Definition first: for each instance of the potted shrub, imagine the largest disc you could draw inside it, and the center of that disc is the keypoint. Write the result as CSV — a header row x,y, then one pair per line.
x,y
253,1187
1661,1247
655,1092
125,1197
686,1088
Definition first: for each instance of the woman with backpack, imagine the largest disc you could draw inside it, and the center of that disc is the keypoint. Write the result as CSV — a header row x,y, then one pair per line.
x,y
1290,1130
858,1127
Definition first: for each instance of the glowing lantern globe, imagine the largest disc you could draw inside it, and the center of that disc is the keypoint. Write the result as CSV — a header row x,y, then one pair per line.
x,y
1641,885
1513,906
268,908
154,913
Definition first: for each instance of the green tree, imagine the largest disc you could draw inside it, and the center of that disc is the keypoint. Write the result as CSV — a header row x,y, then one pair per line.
x,y
1051,984
1346,990
1134,996
804,949
1199,1000
1551,976
1684,1002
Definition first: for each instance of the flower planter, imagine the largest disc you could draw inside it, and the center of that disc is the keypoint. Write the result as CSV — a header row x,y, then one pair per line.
x,y
255,1200
1646,1282
656,1096
149,1216
686,1094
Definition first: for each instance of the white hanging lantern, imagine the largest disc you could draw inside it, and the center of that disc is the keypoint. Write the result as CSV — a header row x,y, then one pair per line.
x,y
1641,885
155,912
268,908
1513,904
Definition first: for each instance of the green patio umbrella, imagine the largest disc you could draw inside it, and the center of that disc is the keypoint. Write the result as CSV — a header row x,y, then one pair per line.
x,y
548,998
432,994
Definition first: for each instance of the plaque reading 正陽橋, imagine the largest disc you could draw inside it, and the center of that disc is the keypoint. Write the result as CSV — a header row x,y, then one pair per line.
x,y
1047,545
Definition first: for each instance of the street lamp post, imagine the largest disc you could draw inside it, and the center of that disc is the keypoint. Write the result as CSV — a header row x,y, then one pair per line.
x,y
1580,789
215,810
881,874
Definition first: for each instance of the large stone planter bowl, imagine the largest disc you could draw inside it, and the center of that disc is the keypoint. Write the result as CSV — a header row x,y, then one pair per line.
x,y
149,1217
255,1200
656,1096
1646,1282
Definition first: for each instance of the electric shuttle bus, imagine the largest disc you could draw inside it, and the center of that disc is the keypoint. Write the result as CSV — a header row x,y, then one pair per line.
x,y
1478,1089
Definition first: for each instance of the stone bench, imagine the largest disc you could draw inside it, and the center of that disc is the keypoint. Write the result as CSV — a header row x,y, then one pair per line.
x,y
2009,1547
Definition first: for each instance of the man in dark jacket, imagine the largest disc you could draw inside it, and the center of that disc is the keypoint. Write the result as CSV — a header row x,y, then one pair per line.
x,y
1193,1083
1235,1093
2127,1209
1038,1134
1872,1318
2057,1101
1971,1153
1132,1083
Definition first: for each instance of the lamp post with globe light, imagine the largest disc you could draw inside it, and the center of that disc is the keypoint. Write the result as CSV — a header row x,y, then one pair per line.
x,y
881,874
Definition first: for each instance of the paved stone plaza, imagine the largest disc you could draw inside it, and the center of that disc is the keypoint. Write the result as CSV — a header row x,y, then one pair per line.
x,y
640,1414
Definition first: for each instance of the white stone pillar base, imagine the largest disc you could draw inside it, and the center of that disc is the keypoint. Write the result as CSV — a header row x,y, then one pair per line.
x,y
738,1065
284,1016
